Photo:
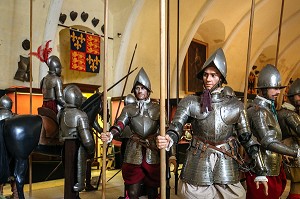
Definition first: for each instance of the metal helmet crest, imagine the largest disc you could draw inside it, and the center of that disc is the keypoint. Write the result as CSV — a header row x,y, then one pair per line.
x,y
269,77
5,102
218,60
73,95
294,88
142,78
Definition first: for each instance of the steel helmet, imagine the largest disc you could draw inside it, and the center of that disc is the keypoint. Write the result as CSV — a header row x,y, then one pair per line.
x,y
269,77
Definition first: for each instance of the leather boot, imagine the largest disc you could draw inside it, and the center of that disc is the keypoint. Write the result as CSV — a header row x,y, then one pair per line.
x,y
152,192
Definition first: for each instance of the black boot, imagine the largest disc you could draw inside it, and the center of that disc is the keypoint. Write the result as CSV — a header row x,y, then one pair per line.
x,y
152,192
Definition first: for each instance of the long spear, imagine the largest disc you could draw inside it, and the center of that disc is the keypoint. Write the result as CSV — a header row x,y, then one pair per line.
x,y
162,96
105,96
125,82
249,53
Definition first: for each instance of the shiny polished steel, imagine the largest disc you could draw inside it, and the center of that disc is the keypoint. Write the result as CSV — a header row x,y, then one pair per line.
x,y
265,127
73,96
143,122
227,119
294,88
269,77
74,124
6,102
54,65
142,78
219,61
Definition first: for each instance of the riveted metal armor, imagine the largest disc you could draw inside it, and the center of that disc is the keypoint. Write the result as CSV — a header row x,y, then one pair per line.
x,y
294,88
265,127
213,131
74,124
143,119
219,61
269,77
142,78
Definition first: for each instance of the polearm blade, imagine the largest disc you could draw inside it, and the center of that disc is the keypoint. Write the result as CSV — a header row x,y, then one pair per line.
x,y
121,79
96,98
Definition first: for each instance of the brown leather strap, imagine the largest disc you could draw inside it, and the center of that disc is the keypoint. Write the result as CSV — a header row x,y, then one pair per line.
x,y
144,142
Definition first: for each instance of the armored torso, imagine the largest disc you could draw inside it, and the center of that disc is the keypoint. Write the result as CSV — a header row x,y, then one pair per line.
x,y
265,127
143,120
51,87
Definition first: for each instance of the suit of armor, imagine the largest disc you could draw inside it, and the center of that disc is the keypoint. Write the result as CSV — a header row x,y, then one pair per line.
x,y
74,124
5,112
264,125
289,121
221,128
143,120
51,85
219,123
141,154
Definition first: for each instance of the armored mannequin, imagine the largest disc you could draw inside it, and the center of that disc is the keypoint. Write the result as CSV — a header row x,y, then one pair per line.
x,y
141,154
51,85
5,112
74,124
289,121
265,127
219,123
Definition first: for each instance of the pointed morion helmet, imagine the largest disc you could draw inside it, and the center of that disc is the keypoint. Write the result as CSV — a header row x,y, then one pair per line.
x,y
218,60
142,78
269,77
294,88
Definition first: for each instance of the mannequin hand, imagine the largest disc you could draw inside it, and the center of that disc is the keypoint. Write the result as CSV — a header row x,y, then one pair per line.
x,y
162,142
265,186
105,137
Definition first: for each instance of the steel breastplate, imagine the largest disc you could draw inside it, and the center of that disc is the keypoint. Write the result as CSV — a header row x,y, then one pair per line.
x,y
143,125
5,114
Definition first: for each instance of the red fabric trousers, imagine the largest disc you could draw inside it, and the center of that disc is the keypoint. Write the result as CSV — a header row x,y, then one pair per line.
x,y
149,174
51,104
276,186
293,196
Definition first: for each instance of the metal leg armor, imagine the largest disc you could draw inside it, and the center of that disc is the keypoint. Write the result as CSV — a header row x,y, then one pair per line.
x,y
81,168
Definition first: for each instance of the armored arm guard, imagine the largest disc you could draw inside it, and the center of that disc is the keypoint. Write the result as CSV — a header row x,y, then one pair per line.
x,y
85,135
97,127
181,116
59,92
269,133
250,144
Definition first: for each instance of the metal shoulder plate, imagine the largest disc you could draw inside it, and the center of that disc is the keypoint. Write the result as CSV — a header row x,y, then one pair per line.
x,y
73,116
129,99
128,112
228,91
154,111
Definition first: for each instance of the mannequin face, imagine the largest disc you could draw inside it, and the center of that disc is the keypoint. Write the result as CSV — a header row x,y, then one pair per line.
x,y
273,93
211,77
141,93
